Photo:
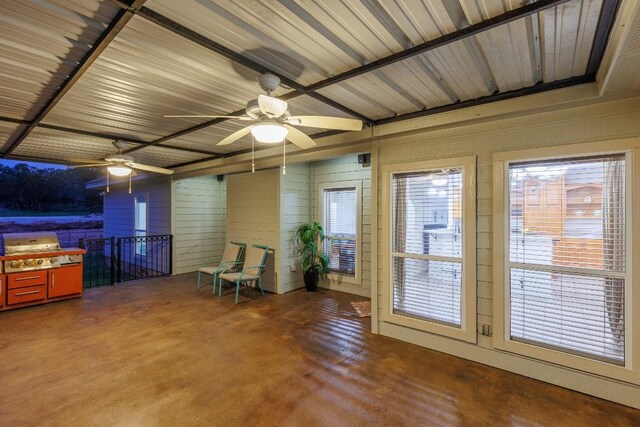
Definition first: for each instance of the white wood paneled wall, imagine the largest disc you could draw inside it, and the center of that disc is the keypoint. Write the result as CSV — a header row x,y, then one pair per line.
x,y
199,221
119,207
295,208
253,215
333,172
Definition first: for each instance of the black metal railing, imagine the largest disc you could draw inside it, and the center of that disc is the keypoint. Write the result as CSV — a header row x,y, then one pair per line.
x,y
110,260
98,262
140,257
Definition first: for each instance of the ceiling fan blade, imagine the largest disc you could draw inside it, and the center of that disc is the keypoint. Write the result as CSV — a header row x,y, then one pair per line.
x,y
92,165
299,138
197,116
271,107
235,136
326,122
148,168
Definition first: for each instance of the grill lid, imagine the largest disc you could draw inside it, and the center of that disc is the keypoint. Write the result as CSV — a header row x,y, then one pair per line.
x,y
20,243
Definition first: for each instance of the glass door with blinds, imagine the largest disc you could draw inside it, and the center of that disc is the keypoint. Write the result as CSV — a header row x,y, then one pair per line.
x,y
567,255
340,211
432,216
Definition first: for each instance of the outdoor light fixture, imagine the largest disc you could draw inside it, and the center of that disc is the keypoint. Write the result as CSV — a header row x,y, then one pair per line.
x,y
119,170
269,133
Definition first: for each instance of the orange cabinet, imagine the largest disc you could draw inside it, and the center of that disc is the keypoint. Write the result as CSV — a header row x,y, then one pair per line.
x,y
3,290
65,281
26,279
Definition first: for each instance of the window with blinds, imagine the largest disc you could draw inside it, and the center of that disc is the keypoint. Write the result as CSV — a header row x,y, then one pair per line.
x,y
567,255
427,261
340,226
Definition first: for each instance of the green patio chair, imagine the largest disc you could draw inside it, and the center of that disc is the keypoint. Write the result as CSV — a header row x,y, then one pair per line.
x,y
230,261
254,264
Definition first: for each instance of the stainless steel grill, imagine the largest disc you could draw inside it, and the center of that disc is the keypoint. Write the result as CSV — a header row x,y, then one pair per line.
x,y
30,251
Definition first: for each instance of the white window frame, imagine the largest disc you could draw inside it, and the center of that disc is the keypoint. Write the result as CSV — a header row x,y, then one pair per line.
x,y
630,372
335,276
468,329
138,250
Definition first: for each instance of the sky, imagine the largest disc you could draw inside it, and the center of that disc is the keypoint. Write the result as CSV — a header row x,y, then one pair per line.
x,y
12,163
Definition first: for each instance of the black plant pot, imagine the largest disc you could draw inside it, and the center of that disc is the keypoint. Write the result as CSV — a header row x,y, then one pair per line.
x,y
311,278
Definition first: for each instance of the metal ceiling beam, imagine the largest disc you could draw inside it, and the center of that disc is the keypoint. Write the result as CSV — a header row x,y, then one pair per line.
x,y
458,35
101,135
607,14
117,24
541,87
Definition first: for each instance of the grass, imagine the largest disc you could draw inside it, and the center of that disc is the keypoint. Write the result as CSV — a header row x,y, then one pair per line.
x,y
11,227
17,213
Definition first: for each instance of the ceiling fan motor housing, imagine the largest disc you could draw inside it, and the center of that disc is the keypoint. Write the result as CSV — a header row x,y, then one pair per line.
x,y
253,110
269,82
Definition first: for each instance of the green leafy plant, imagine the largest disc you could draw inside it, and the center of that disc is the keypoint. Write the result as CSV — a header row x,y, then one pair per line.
x,y
309,239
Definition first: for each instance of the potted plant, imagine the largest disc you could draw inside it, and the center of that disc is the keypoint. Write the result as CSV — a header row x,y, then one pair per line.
x,y
309,239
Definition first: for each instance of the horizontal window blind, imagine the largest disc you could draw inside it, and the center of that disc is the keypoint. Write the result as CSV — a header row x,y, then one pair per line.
x,y
427,245
340,222
567,255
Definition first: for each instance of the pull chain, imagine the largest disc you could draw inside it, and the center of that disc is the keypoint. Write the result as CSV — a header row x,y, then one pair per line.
x,y
253,165
107,181
130,183
284,157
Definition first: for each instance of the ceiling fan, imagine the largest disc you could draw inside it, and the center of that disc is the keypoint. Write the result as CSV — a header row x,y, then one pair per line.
x,y
120,164
274,122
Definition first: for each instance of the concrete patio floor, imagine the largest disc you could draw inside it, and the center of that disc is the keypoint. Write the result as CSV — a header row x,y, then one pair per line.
x,y
159,352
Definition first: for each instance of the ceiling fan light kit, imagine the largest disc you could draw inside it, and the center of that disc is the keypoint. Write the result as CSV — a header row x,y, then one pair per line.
x,y
119,170
269,133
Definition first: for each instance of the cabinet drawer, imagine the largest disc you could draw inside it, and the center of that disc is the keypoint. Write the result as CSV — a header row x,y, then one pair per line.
x,y
22,295
26,279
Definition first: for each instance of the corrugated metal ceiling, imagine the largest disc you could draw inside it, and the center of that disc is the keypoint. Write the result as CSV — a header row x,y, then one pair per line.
x,y
40,44
179,66
145,73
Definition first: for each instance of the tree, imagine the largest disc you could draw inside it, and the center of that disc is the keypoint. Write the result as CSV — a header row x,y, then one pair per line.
x,y
26,188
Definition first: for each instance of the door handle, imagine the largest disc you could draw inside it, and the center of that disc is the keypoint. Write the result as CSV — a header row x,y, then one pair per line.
x,y
53,280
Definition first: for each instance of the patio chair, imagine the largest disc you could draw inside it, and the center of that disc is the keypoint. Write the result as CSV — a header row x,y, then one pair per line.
x,y
254,264
230,261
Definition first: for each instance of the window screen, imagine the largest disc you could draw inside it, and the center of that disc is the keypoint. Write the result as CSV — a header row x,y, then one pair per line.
x,y
427,245
340,224
567,255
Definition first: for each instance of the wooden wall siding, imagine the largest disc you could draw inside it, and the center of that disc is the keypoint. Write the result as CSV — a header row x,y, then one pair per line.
x,y
199,215
334,171
295,208
253,215
602,122
119,207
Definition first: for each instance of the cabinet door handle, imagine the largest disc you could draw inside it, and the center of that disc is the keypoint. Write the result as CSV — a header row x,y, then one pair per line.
x,y
53,280
26,278
27,293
